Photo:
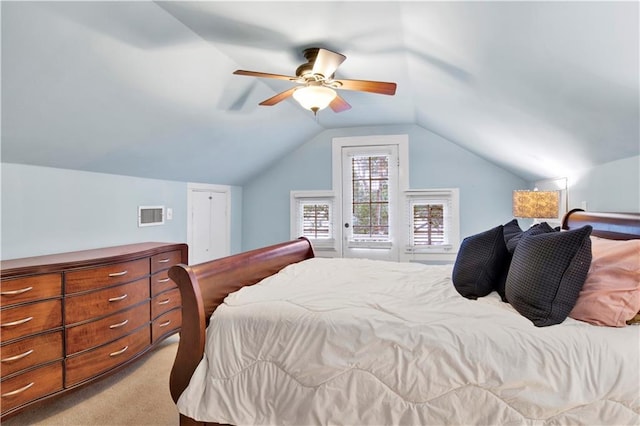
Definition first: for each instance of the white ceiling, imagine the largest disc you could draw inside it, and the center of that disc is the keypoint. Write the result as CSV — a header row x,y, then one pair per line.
x,y
146,88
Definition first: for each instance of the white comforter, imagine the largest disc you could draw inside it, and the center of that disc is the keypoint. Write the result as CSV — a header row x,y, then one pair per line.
x,y
362,342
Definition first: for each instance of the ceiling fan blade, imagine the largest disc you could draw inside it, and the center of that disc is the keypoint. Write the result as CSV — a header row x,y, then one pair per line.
x,y
338,104
263,75
381,87
279,97
327,62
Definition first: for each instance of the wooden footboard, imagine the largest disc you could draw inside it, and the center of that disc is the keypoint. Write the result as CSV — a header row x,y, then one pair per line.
x,y
203,288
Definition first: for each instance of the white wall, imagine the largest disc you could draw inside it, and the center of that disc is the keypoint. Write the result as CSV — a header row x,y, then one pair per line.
x,y
48,210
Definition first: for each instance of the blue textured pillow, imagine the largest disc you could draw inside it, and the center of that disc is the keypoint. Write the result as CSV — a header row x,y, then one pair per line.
x,y
511,230
480,263
512,237
547,273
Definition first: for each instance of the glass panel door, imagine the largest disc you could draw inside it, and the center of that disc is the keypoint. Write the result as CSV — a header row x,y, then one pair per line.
x,y
370,186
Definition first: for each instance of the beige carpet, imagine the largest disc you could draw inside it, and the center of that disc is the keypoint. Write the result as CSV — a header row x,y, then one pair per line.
x,y
136,395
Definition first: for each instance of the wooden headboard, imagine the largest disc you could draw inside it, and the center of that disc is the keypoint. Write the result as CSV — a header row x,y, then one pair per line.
x,y
614,226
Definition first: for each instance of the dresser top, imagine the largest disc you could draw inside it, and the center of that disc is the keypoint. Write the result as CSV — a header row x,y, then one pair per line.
x,y
84,258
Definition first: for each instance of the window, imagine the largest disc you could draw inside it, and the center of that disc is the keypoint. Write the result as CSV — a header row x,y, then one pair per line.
x,y
428,223
370,198
315,219
312,215
432,220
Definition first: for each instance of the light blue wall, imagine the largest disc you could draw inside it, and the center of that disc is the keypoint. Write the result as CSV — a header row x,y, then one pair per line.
x,y
613,186
236,219
485,189
47,210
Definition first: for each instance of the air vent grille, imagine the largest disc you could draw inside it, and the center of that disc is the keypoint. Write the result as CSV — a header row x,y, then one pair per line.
x,y
150,215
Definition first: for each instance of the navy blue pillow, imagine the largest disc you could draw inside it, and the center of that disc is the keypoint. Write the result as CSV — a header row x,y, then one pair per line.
x,y
513,237
480,263
547,273
511,230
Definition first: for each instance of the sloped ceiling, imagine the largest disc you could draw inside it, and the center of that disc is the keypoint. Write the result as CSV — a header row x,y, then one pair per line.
x,y
146,88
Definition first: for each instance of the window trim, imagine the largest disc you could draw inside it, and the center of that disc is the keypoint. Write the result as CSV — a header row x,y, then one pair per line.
x,y
297,198
452,218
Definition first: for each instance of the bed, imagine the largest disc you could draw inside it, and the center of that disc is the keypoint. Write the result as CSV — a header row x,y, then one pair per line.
x,y
277,336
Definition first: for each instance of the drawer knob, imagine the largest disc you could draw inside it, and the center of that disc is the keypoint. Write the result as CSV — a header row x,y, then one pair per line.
x,y
119,298
18,322
164,302
118,274
17,357
164,280
17,391
120,324
120,352
16,292
164,324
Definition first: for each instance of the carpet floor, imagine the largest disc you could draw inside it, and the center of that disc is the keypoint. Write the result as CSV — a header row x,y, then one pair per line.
x,y
136,395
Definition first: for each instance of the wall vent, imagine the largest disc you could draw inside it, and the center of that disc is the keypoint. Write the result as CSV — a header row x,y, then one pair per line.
x,y
150,215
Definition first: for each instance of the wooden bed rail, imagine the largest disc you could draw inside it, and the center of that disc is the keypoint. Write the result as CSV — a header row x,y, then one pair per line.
x,y
614,226
212,282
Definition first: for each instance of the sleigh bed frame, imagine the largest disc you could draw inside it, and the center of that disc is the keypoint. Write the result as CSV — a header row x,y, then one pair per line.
x,y
203,287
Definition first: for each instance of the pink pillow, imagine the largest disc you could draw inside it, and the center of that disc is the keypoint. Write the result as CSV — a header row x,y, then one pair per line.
x,y
611,293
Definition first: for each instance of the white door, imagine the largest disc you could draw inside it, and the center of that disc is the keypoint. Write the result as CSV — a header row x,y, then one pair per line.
x,y
208,237
370,202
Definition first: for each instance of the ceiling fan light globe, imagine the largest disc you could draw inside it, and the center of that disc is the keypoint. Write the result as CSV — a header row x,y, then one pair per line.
x,y
314,98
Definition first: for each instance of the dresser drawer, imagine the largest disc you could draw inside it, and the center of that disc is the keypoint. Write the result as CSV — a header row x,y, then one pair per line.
x,y
92,363
165,260
30,352
28,289
161,282
166,323
31,385
105,302
24,320
95,333
104,276
165,302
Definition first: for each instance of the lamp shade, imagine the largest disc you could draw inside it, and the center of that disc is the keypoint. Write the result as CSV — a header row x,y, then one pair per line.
x,y
314,98
536,204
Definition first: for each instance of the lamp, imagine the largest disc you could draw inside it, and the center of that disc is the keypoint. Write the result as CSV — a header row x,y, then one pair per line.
x,y
536,204
314,98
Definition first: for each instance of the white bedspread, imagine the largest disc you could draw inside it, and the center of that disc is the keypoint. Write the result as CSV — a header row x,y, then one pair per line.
x,y
362,342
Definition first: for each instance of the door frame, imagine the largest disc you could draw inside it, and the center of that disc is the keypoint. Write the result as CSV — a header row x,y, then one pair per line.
x,y
207,187
402,142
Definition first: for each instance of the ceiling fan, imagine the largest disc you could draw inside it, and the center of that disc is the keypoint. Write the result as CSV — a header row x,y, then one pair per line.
x,y
316,82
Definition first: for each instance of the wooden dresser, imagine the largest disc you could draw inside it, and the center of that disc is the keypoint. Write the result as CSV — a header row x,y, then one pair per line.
x,y
69,319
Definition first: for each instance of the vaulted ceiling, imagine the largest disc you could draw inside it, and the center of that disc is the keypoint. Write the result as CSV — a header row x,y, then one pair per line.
x,y
146,88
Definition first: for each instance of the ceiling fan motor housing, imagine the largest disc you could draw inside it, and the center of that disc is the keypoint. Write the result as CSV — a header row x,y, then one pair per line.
x,y
317,75
310,55
304,69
